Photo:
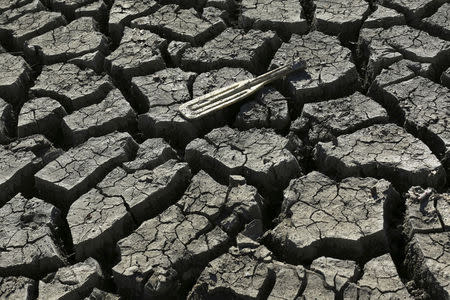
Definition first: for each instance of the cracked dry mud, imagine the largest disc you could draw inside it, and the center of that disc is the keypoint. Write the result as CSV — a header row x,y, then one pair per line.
x,y
329,70
28,26
269,109
76,171
17,167
18,287
285,17
72,86
97,10
439,23
384,17
40,115
29,238
66,42
445,78
232,48
386,46
379,281
6,116
416,9
422,106
123,11
427,226
74,8
160,95
71,282
324,121
341,17
122,201
260,155
16,12
15,74
180,241
381,151
139,54
111,114
175,23
321,217
329,183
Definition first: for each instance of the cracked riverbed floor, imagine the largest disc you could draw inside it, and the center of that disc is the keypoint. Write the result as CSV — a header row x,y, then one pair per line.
x,y
330,183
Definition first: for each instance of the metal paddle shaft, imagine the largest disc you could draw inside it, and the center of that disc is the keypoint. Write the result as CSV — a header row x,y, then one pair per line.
x,y
223,97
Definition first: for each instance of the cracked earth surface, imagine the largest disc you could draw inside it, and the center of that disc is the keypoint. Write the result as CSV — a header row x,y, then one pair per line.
x,y
330,183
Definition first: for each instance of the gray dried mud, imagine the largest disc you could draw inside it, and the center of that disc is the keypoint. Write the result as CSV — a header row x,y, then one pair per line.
x,y
331,182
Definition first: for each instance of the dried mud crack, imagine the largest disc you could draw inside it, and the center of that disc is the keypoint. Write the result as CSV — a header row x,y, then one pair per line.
x,y
329,183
